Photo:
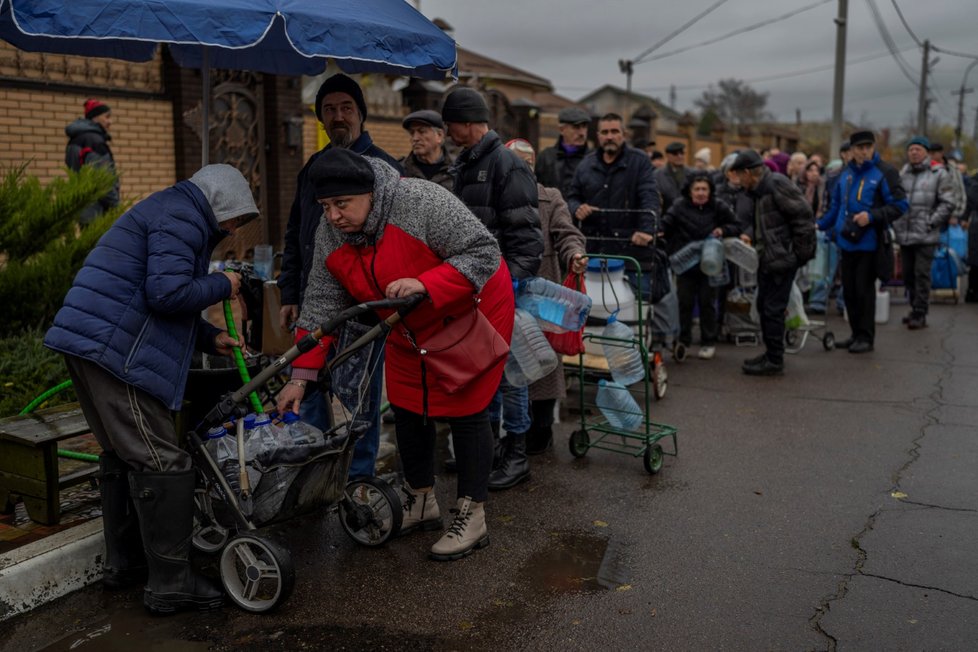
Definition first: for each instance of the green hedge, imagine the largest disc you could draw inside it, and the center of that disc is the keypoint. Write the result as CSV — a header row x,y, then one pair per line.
x,y
28,369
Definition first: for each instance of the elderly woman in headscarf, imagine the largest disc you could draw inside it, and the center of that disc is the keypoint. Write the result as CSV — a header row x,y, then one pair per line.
x,y
384,236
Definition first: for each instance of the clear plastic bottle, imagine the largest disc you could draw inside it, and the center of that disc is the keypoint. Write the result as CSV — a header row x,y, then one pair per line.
x,y
687,257
624,357
224,452
559,309
530,355
618,406
711,257
301,433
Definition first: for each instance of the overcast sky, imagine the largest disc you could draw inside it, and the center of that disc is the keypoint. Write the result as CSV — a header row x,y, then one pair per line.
x,y
577,44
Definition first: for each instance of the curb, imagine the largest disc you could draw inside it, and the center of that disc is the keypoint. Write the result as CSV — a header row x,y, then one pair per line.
x,y
45,570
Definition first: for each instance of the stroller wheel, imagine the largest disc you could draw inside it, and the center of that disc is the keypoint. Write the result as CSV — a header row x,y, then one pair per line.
x,y
371,512
679,351
256,573
660,377
828,341
791,338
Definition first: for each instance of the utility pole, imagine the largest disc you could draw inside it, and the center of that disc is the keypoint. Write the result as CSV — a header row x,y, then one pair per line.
x,y
672,96
974,132
839,87
625,65
961,93
922,99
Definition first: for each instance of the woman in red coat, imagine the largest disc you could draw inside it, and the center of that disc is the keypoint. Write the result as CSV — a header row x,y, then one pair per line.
x,y
384,236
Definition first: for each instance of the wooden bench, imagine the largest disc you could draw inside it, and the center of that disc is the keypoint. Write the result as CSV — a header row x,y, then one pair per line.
x,y
29,460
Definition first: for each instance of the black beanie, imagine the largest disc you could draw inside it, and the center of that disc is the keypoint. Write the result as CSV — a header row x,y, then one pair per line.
x,y
465,105
341,172
340,83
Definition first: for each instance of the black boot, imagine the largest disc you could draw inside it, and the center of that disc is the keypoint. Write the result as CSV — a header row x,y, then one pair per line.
x,y
499,446
125,563
539,439
165,504
515,467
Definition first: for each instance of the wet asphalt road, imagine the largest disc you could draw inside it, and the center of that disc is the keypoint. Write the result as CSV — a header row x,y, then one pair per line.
x,y
835,508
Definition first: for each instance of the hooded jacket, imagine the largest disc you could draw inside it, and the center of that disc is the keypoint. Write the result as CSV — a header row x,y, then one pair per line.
x,y
88,144
415,229
930,196
784,228
134,307
686,222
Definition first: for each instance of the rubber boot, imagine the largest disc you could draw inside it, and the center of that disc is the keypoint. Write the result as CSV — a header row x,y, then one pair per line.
x,y
125,563
515,467
420,510
466,534
539,439
165,504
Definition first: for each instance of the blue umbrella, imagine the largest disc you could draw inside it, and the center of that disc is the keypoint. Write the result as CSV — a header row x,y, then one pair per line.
x,y
289,37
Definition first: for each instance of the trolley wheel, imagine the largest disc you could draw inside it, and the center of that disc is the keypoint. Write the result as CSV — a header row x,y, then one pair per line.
x,y
790,338
653,459
579,443
828,341
679,351
660,377
371,512
256,572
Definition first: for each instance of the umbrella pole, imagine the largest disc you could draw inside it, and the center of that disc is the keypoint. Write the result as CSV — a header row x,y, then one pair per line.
x,y
205,101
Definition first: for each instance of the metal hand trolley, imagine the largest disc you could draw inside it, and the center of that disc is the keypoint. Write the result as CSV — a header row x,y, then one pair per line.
x,y
256,571
642,442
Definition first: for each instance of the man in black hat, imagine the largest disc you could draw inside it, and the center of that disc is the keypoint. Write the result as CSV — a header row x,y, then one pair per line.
x,y
342,110
500,189
671,177
784,237
429,158
555,165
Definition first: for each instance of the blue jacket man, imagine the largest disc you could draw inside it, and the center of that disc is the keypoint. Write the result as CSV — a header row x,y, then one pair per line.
x,y
867,198
128,328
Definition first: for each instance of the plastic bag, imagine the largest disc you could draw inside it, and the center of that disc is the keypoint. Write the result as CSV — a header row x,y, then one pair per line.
x,y
796,317
570,343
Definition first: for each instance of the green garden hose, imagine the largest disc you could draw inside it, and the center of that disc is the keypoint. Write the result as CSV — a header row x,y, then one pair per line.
x,y
85,457
239,357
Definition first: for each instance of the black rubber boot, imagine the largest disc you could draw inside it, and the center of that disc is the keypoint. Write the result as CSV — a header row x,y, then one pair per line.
x,y
125,563
539,439
165,504
515,467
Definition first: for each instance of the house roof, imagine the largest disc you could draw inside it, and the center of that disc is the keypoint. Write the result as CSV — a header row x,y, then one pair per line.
x,y
660,108
472,64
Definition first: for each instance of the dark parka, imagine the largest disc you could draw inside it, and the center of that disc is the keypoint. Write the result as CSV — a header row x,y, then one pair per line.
x,y
666,184
784,224
555,167
500,189
442,176
134,308
686,222
304,217
625,184
88,144
740,201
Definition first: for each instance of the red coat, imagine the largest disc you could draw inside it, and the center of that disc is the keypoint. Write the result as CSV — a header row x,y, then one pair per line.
x,y
365,270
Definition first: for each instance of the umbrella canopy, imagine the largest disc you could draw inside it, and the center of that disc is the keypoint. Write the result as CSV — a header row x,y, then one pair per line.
x,y
289,37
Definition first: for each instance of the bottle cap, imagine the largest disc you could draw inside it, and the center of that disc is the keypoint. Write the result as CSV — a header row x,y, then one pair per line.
x,y
216,432
613,317
290,417
250,420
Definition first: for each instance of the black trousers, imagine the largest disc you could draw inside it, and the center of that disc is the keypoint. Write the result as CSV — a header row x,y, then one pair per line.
x,y
694,287
773,292
859,289
917,260
473,442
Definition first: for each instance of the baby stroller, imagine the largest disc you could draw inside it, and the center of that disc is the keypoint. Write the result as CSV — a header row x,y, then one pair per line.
x,y
256,571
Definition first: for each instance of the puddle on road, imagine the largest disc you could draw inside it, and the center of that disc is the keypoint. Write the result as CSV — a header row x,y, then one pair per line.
x,y
128,628
574,563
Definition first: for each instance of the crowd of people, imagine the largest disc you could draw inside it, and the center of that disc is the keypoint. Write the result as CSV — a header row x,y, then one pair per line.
x,y
461,225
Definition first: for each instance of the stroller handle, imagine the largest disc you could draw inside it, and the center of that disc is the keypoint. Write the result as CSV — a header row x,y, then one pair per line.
x,y
403,305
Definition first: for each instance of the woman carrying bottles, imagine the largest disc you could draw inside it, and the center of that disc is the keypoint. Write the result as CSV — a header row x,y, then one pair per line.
x,y
697,215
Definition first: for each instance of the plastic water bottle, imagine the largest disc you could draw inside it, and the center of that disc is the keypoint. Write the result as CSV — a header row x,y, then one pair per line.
x,y
225,455
270,438
301,433
530,355
618,406
711,257
216,441
687,257
560,309
624,357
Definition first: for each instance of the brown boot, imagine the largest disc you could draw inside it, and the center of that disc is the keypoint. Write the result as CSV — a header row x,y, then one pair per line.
x,y
466,534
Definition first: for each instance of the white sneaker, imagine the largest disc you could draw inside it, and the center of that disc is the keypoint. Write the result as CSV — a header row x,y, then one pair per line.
x,y
706,352
466,534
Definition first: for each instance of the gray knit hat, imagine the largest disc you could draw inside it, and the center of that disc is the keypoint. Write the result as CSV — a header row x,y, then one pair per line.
x,y
227,191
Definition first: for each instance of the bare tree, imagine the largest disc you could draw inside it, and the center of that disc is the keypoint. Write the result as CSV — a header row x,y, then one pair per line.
x,y
734,102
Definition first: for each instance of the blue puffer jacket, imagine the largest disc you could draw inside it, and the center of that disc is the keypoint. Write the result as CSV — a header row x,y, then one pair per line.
x,y
873,187
134,307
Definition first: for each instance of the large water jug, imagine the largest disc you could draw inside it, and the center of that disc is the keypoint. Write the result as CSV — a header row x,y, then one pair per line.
x,y
609,290
530,355
559,309
882,307
687,257
618,406
301,433
711,257
216,441
623,355
740,254
270,438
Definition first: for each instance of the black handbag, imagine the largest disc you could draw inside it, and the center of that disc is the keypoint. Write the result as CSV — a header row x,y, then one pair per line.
x,y
885,258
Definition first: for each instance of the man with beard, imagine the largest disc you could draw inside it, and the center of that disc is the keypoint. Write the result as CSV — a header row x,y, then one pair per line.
x,y
556,165
429,158
616,176
342,110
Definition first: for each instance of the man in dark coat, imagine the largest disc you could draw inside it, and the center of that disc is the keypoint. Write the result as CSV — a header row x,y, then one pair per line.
x,y
784,236
556,165
671,178
128,328
341,108
500,189
88,144
429,158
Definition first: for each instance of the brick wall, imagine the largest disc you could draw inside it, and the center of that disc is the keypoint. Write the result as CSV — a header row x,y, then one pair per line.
x,y
33,122
387,134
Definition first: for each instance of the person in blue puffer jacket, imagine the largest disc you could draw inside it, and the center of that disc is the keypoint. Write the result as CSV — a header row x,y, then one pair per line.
x,y
866,199
127,329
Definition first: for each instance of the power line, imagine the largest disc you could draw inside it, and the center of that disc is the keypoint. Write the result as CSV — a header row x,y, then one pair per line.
x,y
737,32
904,21
679,31
953,53
890,44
